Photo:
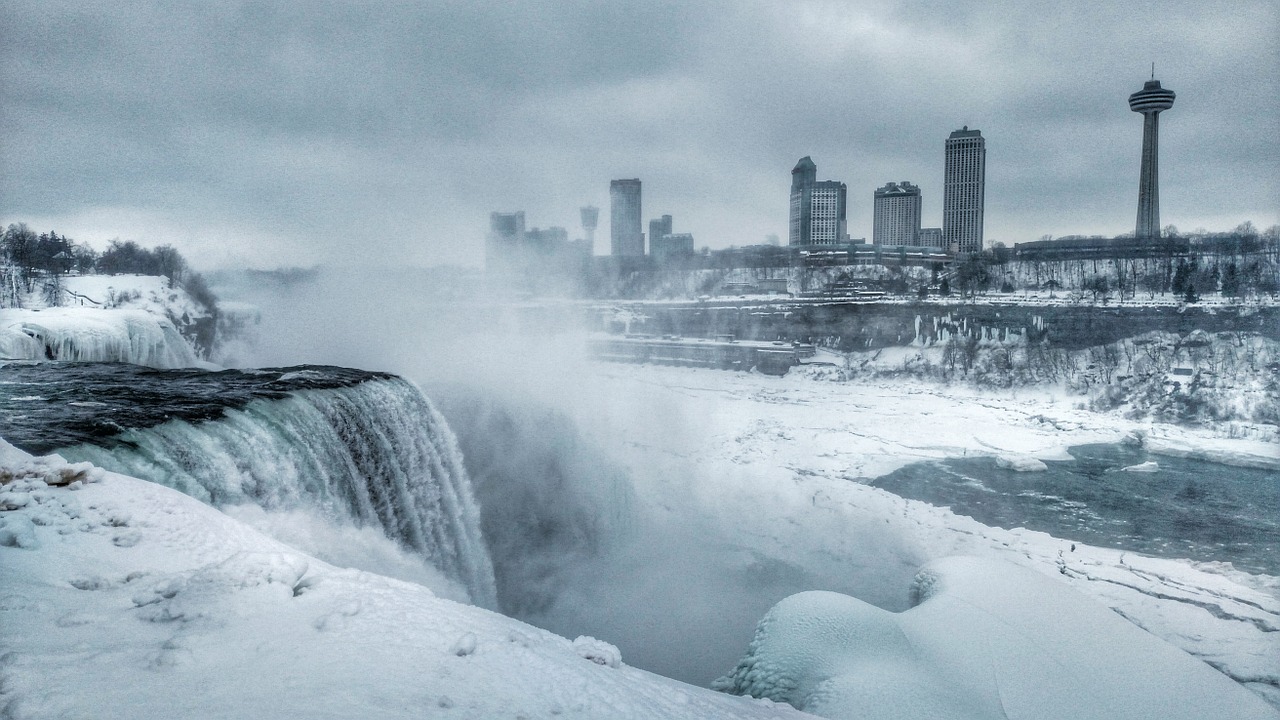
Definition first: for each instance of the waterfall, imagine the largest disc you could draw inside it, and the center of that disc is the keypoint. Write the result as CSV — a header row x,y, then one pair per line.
x,y
375,453
92,335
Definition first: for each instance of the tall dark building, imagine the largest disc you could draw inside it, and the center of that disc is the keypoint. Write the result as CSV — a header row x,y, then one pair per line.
x,y
1151,100
817,208
626,236
964,190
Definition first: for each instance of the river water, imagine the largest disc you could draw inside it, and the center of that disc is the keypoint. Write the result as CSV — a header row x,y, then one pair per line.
x,y
1186,509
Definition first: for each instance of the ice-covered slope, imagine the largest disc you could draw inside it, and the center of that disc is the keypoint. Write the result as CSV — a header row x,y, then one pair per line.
x,y
124,598
91,334
988,640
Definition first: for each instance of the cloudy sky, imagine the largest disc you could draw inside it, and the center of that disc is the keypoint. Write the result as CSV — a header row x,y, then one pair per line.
x,y
293,133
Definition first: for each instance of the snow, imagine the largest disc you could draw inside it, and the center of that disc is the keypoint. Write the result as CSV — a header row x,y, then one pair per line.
x,y
773,468
988,639
142,600
90,334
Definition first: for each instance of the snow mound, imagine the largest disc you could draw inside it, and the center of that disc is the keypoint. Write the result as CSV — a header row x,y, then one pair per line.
x,y
1149,466
988,639
92,335
1021,463
138,598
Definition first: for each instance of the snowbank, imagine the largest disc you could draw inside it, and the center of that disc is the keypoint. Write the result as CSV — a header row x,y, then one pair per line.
x,y
1021,463
90,334
141,600
987,640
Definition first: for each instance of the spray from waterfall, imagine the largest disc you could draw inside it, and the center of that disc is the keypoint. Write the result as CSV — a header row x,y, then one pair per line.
x,y
376,453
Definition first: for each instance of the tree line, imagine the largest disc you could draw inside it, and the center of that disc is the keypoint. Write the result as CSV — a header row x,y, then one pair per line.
x,y
33,259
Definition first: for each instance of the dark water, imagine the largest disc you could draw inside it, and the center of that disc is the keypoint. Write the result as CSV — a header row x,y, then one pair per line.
x,y
1188,509
44,406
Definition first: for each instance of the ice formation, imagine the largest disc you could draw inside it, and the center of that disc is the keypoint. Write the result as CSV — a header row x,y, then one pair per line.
x,y
373,454
986,639
93,335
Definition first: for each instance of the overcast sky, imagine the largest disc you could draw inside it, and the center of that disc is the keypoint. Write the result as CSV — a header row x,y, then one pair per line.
x,y
294,133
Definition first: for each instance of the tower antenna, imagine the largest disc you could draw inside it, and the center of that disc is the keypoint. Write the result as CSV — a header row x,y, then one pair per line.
x,y
1153,71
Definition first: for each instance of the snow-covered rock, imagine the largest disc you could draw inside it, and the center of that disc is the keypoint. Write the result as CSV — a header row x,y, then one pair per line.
x,y
987,639
91,334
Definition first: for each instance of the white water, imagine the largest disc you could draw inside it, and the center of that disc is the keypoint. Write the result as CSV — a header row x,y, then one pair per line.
x,y
375,454
92,335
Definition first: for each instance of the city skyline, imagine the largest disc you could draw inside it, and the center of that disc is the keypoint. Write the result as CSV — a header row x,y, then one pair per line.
x,y
137,132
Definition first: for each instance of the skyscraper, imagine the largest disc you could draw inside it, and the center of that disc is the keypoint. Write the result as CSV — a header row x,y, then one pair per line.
x,y
817,208
1151,100
896,219
964,190
626,236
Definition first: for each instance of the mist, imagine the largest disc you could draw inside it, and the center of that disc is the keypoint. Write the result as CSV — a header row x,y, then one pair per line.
x,y
594,505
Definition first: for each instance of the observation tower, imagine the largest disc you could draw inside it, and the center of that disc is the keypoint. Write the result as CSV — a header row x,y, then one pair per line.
x,y
1151,100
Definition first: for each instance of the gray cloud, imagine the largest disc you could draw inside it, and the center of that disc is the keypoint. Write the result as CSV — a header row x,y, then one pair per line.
x,y
264,133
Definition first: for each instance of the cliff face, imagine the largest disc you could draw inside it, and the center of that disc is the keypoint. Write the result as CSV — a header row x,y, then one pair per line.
x,y
869,326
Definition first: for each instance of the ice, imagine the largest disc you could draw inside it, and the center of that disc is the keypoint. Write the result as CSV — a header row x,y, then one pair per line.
x,y
1149,466
94,335
987,639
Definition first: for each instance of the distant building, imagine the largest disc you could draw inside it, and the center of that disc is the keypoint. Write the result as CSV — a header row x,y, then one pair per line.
x,y
930,238
817,208
590,215
670,246
657,228
896,215
546,242
626,236
964,189
504,241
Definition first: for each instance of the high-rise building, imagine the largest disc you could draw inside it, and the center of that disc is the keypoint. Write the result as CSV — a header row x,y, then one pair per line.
x,y
626,236
657,228
504,241
817,208
930,237
1151,100
668,247
590,216
964,190
896,219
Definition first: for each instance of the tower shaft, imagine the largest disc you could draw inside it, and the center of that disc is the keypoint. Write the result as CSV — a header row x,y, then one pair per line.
x,y
1149,178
